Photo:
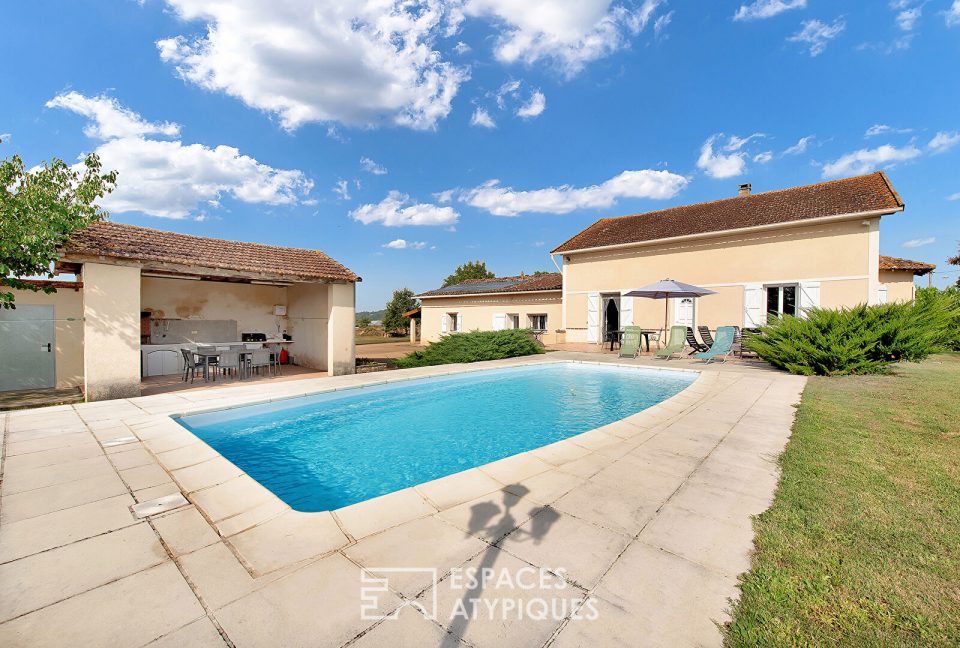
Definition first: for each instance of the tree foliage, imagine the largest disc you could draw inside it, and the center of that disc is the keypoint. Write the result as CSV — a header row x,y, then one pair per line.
x,y
403,300
862,339
364,321
467,271
39,209
955,261
473,347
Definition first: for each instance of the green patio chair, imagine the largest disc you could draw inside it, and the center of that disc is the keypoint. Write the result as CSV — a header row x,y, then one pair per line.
x,y
722,345
630,346
676,343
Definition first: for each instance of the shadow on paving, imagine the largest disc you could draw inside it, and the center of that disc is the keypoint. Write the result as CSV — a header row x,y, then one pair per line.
x,y
482,520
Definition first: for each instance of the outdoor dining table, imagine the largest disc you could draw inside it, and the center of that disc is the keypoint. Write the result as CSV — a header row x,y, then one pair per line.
x,y
206,357
617,337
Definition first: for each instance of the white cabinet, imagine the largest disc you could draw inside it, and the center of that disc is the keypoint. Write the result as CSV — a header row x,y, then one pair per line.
x,y
162,360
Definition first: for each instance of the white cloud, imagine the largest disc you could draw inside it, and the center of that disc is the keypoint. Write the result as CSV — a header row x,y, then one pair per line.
x,y
867,160
401,244
944,141
461,48
718,165
398,209
907,19
881,129
342,189
444,197
763,157
662,23
915,243
736,143
358,62
954,196
108,119
370,166
5,137
952,15
760,9
171,179
816,34
571,34
482,118
506,201
536,105
800,146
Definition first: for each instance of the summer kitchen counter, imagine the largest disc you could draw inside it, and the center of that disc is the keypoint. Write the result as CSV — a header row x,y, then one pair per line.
x,y
166,359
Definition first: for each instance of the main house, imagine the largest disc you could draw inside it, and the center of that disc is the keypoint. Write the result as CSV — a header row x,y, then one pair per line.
x,y
772,252
141,294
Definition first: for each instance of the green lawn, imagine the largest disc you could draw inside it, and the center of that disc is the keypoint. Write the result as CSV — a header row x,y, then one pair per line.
x,y
862,544
379,339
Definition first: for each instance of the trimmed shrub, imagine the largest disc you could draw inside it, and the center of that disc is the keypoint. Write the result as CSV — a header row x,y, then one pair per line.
x,y
862,339
473,347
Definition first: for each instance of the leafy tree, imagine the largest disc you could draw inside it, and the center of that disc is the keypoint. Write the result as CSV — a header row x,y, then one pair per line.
x,y
469,270
955,261
39,209
403,300
364,321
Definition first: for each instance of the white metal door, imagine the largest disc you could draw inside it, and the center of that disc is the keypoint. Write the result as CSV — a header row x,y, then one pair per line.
x,y
683,314
27,348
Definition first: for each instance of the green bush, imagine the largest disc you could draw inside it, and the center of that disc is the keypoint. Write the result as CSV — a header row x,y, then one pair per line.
x,y
862,339
473,347
949,301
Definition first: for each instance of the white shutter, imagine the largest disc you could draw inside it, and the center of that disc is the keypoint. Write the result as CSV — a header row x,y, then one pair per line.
x,y
499,321
753,305
459,323
809,296
882,294
593,317
626,311
443,322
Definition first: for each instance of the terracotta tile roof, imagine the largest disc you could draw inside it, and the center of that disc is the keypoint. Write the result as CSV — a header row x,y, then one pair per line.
x,y
894,263
846,196
120,241
533,283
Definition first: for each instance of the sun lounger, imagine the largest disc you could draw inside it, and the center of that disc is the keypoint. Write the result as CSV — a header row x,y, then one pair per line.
x,y
692,341
705,335
722,346
630,346
676,343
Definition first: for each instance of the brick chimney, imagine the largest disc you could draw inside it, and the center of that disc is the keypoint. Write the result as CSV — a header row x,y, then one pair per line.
x,y
744,189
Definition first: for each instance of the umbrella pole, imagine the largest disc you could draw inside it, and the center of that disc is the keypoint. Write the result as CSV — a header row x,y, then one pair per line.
x,y
666,304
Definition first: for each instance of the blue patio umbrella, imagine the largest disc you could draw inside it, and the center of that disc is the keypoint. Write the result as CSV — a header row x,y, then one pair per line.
x,y
666,289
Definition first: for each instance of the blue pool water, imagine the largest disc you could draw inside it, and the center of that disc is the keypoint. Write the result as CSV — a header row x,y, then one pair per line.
x,y
323,452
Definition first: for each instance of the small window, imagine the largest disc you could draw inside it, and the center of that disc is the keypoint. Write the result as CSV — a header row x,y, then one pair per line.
x,y
781,300
454,322
513,320
538,322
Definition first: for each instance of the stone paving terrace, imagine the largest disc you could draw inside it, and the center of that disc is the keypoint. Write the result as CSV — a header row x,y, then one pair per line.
x,y
650,517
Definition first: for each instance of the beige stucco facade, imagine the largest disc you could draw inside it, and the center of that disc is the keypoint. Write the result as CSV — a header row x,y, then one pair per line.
x,y
111,331
489,312
251,305
833,264
897,285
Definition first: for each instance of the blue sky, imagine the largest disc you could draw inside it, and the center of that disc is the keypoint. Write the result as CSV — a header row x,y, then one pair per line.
x,y
406,138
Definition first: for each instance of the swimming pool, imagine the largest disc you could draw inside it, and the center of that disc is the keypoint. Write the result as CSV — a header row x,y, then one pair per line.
x,y
326,451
